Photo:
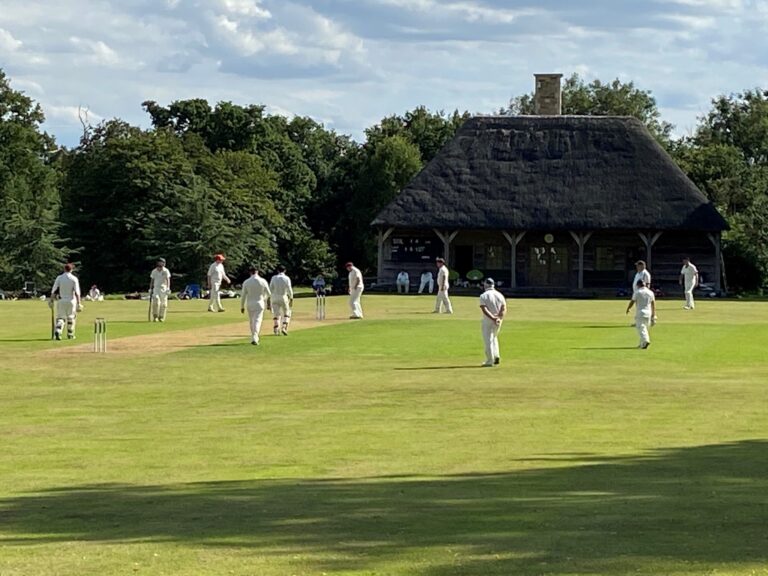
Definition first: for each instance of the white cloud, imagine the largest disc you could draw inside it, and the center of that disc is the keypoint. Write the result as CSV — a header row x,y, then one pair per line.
x,y
7,42
250,8
468,10
352,62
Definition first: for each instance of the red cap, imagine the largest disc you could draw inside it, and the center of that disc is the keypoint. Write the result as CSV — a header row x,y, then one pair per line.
x,y
219,257
348,264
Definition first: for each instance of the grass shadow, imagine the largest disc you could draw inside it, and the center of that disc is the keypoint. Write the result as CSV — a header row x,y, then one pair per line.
x,y
672,510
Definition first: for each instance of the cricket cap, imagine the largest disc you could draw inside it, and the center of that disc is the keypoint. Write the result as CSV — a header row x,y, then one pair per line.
x,y
640,263
489,282
161,261
348,265
440,260
219,257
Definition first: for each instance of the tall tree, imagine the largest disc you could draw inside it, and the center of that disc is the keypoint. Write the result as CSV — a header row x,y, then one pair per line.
x,y
29,228
728,159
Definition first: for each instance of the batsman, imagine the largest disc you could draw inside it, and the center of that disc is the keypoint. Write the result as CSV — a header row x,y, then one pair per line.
x,y
159,290
66,293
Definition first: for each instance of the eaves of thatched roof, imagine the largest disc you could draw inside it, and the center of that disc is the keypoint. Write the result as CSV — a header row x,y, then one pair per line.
x,y
552,172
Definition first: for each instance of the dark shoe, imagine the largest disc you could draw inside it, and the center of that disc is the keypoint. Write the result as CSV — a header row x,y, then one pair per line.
x,y
284,331
57,336
497,360
645,345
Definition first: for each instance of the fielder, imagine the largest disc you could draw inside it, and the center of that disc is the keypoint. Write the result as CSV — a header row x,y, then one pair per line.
x,y
494,307
442,300
67,288
645,313
355,280
403,282
689,279
282,300
255,297
159,289
216,275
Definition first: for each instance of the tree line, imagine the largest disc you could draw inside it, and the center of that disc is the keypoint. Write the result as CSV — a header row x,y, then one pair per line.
x,y
267,189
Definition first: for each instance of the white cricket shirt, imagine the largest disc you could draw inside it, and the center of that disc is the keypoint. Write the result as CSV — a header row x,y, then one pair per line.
x,y
68,286
493,301
280,286
689,275
355,278
216,272
254,293
442,278
642,299
161,279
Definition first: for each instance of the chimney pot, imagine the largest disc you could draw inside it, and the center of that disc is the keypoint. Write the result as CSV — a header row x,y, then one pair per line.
x,y
547,99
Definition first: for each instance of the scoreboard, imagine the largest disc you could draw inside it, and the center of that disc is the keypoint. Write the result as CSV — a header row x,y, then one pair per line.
x,y
414,249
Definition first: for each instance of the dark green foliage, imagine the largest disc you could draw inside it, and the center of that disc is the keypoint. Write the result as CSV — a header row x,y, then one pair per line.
x,y
728,159
31,247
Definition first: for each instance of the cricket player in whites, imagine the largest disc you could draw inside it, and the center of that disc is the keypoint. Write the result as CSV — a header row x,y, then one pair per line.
x,y
443,283
282,301
494,307
689,279
216,275
255,297
67,288
645,312
355,281
159,289
641,274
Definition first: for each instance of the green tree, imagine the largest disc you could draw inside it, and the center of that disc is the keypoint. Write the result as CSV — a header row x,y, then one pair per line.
x,y
728,159
384,169
597,98
32,248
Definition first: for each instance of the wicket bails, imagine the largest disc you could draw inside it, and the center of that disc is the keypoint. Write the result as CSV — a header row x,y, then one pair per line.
x,y
100,335
320,306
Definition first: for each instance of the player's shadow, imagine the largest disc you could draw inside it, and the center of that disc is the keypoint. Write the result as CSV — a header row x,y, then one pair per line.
x,y
670,509
606,348
26,340
458,367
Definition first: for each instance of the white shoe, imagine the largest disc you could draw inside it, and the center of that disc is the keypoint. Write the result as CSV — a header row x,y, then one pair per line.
x,y
487,364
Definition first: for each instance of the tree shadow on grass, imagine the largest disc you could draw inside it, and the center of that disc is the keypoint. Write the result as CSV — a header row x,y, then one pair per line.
x,y
676,510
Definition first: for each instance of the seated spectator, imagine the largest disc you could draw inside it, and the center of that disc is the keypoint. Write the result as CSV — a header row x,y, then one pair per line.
x,y
403,282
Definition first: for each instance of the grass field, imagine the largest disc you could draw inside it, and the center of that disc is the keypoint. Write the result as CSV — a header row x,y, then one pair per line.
x,y
380,447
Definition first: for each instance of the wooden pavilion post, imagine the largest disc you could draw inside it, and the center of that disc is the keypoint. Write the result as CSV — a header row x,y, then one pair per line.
x,y
513,239
581,240
715,239
383,236
649,240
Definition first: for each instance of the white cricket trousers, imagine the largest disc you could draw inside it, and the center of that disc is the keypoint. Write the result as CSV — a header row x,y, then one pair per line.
x,y
643,325
65,314
159,304
425,283
403,287
689,296
281,310
214,305
442,301
255,317
490,339
355,309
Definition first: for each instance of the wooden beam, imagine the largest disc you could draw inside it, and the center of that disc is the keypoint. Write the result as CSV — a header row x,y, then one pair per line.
x,y
649,240
715,239
581,239
514,240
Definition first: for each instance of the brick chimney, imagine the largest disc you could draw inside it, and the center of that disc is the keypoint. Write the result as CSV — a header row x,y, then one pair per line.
x,y
547,101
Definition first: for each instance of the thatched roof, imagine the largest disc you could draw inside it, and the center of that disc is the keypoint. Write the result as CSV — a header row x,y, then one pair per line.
x,y
549,173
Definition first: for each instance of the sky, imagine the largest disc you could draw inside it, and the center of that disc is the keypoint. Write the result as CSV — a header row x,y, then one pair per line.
x,y
349,63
